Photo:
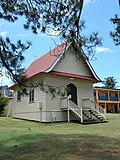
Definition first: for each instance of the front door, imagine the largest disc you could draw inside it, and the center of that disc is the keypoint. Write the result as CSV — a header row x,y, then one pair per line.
x,y
72,92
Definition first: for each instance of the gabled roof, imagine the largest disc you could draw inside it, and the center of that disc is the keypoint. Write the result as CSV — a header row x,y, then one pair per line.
x,y
46,63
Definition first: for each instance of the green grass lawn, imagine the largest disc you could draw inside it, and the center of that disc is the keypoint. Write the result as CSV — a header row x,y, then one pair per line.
x,y
24,140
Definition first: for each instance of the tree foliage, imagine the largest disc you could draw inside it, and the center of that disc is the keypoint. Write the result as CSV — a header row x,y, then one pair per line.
x,y
61,16
110,82
11,57
116,34
3,103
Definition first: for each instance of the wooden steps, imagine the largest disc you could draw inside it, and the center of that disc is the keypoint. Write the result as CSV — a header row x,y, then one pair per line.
x,y
93,122
87,114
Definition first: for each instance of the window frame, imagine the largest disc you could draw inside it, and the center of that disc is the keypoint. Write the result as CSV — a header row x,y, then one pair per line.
x,y
19,96
31,96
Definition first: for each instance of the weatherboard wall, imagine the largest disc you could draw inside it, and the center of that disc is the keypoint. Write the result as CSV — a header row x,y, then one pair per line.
x,y
30,110
84,91
45,105
70,64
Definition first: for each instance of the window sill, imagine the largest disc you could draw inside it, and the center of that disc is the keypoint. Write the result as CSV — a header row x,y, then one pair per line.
x,y
18,100
31,102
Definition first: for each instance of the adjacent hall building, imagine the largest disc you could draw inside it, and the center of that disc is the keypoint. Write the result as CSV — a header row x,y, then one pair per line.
x,y
108,99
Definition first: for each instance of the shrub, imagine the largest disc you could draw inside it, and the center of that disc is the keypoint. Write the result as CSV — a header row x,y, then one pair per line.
x,y
3,103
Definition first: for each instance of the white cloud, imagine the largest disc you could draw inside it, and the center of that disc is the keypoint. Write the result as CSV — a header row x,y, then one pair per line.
x,y
53,33
87,2
100,84
103,49
21,35
5,81
3,34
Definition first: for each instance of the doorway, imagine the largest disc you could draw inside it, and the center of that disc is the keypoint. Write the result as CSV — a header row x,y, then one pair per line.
x,y
115,109
72,92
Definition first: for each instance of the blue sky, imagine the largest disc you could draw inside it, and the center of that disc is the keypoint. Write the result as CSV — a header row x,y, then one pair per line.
x,y
97,14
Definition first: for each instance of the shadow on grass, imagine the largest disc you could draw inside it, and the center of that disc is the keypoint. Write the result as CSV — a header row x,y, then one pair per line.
x,y
60,147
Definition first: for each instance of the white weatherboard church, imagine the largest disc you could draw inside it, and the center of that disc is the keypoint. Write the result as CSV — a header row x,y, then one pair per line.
x,y
59,68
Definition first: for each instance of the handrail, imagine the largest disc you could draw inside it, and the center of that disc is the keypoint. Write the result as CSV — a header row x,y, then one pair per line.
x,y
75,105
75,108
99,108
68,105
96,107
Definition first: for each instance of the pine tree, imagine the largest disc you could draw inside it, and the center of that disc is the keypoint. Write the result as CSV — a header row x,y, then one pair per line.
x,y
116,34
62,16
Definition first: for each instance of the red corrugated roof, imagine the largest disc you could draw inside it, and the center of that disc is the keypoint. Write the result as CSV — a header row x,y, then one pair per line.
x,y
45,62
